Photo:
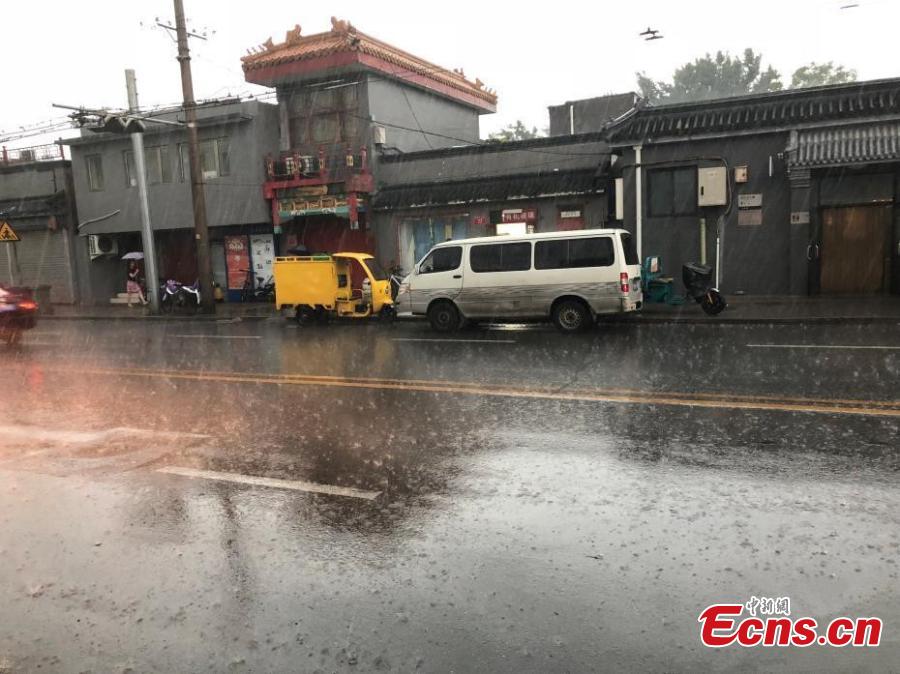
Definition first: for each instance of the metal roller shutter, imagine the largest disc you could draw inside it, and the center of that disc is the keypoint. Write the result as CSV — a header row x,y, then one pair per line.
x,y
43,257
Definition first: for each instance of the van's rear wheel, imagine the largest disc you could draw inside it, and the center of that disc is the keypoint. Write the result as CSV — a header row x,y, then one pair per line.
x,y
443,316
571,316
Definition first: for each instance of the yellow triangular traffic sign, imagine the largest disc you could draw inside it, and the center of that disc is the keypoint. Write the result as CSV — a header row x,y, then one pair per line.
x,y
7,233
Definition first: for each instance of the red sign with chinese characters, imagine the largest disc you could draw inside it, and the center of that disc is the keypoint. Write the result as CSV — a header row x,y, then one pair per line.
x,y
237,260
520,215
479,220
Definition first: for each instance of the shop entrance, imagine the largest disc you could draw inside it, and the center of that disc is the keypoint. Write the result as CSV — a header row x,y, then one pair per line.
x,y
855,249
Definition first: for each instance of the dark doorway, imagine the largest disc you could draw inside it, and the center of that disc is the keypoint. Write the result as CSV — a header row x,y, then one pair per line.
x,y
855,244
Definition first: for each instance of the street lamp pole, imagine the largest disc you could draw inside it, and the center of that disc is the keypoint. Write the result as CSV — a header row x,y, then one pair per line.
x,y
201,228
137,144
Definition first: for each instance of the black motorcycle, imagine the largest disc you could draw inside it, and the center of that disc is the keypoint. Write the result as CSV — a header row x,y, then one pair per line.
x,y
698,280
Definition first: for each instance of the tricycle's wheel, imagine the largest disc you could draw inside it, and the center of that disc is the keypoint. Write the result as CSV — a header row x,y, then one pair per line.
x,y
713,303
387,314
443,316
305,316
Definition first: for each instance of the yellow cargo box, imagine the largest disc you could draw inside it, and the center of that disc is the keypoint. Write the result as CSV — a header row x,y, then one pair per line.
x,y
321,285
306,280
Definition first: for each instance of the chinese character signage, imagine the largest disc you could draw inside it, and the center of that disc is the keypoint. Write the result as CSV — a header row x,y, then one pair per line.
x,y
519,215
237,261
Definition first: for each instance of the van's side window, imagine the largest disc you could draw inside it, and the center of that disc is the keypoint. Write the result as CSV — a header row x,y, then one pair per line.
x,y
580,252
501,257
441,259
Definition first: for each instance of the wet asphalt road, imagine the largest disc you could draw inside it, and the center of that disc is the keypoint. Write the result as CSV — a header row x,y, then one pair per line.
x,y
543,503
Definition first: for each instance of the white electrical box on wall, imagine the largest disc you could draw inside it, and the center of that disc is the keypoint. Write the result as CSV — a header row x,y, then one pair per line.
x,y
712,186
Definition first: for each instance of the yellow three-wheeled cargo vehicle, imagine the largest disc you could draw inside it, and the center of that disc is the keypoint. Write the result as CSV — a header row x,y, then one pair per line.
x,y
319,287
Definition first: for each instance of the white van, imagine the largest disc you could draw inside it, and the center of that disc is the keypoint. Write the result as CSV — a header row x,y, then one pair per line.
x,y
568,277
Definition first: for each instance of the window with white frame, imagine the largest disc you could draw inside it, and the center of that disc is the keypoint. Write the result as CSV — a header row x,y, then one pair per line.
x,y
215,159
94,164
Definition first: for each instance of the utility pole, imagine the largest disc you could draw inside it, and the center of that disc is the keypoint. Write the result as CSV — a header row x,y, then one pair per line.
x,y
137,144
201,228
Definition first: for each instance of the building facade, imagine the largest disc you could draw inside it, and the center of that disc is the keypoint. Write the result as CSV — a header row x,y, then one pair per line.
x,y
37,200
811,191
541,185
347,102
233,135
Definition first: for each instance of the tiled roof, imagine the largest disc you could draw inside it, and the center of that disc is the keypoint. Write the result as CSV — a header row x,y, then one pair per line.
x,y
507,188
343,38
770,111
845,145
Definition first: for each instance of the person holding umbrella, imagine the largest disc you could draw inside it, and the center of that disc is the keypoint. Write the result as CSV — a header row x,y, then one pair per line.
x,y
133,283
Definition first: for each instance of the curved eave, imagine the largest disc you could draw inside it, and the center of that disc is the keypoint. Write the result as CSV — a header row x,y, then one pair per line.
x,y
274,74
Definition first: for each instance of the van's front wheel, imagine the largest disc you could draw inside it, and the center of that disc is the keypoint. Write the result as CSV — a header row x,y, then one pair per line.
x,y
571,316
443,316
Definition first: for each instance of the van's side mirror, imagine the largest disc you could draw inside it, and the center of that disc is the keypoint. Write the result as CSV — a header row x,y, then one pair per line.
x,y
416,270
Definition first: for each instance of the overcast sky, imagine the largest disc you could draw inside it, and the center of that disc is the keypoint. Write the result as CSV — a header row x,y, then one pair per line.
x,y
536,55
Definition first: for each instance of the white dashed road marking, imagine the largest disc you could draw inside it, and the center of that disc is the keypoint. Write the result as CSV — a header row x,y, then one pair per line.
x,y
294,485
821,346
463,341
218,336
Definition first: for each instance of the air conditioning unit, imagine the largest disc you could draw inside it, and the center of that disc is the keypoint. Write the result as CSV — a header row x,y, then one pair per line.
x,y
379,135
102,244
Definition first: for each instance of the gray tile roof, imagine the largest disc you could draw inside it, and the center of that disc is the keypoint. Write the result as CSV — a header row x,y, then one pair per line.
x,y
845,145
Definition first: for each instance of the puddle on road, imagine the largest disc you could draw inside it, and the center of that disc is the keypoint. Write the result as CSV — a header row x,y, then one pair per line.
x,y
62,452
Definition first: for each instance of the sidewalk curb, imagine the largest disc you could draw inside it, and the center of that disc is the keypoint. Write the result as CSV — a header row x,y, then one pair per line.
x,y
809,320
158,319
636,320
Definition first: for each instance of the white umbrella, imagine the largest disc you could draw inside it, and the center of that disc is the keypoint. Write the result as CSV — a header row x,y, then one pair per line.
x,y
137,255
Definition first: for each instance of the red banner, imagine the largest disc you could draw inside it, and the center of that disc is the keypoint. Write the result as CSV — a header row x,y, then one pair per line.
x,y
237,260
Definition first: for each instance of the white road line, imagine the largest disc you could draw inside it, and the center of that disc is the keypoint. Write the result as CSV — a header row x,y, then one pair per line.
x,y
218,336
294,485
820,346
466,341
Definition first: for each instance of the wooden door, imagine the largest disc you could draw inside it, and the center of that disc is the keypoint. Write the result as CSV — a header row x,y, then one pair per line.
x,y
854,248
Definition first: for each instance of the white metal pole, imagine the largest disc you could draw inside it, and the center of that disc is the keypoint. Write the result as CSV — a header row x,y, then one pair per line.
x,y
137,143
9,262
638,201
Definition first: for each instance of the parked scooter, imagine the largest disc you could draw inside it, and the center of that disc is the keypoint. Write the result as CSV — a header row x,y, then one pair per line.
x,y
169,294
265,290
698,280
190,296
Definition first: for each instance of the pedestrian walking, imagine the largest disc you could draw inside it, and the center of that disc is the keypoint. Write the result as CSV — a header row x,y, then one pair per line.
x,y
133,285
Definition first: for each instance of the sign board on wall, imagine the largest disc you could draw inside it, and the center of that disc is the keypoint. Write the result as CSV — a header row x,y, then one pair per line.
x,y
570,214
751,216
479,220
750,201
800,218
237,261
262,255
510,215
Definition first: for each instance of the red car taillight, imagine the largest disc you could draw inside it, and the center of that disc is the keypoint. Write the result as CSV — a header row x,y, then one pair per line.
x,y
623,282
28,305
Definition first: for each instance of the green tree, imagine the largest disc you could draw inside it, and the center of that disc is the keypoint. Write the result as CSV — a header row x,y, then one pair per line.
x,y
517,131
709,77
819,74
